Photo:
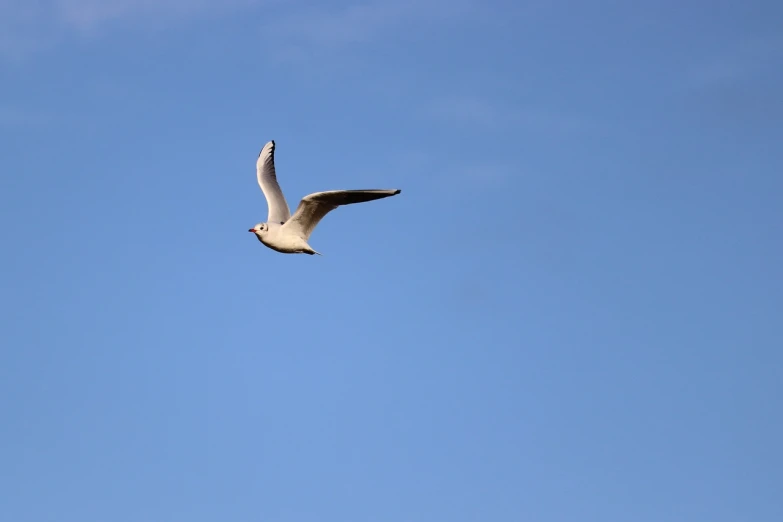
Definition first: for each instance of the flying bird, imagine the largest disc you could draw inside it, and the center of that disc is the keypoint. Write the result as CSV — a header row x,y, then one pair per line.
x,y
289,234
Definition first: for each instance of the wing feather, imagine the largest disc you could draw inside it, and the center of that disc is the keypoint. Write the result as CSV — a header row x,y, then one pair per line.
x,y
267,180
314,207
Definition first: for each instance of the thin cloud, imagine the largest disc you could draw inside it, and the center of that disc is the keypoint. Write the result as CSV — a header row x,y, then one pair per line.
x,y
81,14
27,27
743,59
22,26
329,28
354,24
481,113
13,117
470,111
737,90
297,30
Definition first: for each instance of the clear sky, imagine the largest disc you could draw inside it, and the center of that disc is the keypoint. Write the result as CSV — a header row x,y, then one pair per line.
x,y
573,311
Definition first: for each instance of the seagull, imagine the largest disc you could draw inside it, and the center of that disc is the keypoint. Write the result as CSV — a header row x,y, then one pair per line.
x,y
289,234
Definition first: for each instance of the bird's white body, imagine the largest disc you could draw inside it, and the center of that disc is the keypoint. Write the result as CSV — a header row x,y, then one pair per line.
x,y
289,234
276,238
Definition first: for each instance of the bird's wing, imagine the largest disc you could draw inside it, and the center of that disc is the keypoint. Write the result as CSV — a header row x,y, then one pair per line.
x,y
314,207
267,180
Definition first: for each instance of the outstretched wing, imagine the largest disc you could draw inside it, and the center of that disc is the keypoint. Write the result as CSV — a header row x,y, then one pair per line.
x,y
267,180
314,207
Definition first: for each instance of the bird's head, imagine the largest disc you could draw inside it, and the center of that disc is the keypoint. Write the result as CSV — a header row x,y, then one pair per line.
x,y
259,229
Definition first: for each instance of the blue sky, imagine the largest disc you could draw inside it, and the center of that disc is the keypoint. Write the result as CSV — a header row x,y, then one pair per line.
x,y
571,312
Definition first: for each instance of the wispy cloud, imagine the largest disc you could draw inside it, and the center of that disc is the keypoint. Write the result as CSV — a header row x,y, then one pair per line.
x,y
737,61
28,26
295,28
90,13
21,27
304,31
487,175
352,24
482,113
738,89
12,117
470,111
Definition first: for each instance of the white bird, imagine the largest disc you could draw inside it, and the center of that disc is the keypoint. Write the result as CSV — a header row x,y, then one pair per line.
x,y
289,234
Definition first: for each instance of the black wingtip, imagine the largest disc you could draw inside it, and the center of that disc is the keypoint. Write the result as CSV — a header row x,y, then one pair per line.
x,y
397,191
262,148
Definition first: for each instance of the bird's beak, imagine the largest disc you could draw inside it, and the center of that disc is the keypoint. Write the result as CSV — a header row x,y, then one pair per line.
x,y
252,230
